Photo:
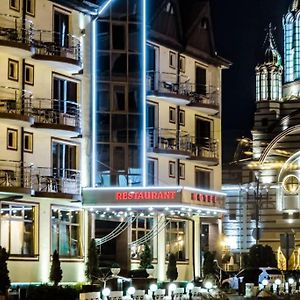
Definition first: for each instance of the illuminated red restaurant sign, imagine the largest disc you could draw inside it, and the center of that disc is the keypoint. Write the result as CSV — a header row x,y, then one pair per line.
x,y
146,195
204,197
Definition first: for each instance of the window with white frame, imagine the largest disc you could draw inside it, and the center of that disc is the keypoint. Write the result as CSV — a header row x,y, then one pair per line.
x,y
28,142
65,232
172,169
14,4
172,115
176,238
152,170
140,227
12,139
17,228
172,59
30,7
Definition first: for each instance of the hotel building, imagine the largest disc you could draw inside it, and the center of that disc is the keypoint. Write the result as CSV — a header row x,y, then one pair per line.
x,y
263,192
110,118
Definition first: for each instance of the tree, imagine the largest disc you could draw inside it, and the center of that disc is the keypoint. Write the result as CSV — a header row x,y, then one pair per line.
x,y
92,264
261,256
209,266
56,271
146,257
4,278
172,273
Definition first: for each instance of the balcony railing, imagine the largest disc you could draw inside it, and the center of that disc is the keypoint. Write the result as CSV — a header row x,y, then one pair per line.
x,y
13,29
204,148
171,140
51,43
168,139
195,93
52,111
14,175
52,180
119,178
15,101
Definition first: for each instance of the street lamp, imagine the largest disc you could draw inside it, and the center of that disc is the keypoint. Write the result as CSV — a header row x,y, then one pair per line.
x,y
208,285
265,282
189,288
290,282
172,288
153,289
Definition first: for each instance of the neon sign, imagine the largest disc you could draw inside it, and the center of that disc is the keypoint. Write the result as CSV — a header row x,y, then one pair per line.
x,y
141,195
204,197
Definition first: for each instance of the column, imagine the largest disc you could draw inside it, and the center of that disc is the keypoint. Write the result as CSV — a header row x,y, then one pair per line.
x,y
161,250
197,242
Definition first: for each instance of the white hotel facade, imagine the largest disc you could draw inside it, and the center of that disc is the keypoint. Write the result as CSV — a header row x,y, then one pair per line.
x,y
100,142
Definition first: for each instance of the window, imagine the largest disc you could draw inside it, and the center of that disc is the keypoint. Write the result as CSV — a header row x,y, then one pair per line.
x,y
182,117
232,216
182,171
204,23
176,237
61,29
118,37
119,98
169,8
172,115
291,184
29,74
172,59
13,69
152,172
204,240
30,7
14,4
17,223
172,169
28,142
140,227
202,178
63,159
182,64
12,139
66,235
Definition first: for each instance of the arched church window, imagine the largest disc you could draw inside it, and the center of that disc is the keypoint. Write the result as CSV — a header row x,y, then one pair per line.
x,y
204,23
291,184
257,86
169,8
288,48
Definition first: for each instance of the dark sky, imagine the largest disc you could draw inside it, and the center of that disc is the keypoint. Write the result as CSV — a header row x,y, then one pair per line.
x,y
239,28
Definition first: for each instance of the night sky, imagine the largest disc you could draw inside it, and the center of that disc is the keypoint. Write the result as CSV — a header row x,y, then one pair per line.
x,y
240,29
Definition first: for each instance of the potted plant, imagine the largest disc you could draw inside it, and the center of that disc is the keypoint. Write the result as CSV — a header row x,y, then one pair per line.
x,y
150,270
146,257
115,269
4,278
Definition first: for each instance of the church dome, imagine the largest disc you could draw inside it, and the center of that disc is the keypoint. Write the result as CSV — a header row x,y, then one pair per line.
x,y
272,56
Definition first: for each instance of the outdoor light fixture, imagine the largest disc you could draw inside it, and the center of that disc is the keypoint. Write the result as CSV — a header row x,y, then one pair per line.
x,y
208,285
290,282
172,288
189,288
106,293
265,282
153,289
278,283
131,291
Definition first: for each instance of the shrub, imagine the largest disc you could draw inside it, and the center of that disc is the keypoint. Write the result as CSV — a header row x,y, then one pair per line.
x,y
172,273
56,271
45,292
4,278
92,265
146,257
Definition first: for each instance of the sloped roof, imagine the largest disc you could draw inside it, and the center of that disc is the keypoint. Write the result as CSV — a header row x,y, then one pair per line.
x,y
295,6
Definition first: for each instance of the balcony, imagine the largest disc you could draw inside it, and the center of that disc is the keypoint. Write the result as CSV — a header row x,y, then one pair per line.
x,y
168,141
204,150
15,104
15,35
165,86
56,114
62,51
55,183
14,178
204,98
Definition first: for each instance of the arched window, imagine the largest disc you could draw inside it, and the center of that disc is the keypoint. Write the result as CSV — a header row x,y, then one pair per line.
x,y
296,39
169,8
257,86
204,23
264,85
288,48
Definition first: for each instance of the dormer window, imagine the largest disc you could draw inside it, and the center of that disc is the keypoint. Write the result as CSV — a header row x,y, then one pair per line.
x,y
169,8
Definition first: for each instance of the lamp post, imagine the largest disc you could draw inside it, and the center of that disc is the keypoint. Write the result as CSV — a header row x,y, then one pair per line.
x,y
172,288
131,291
278,283
189,288
208,285
153,289
106,293
290,283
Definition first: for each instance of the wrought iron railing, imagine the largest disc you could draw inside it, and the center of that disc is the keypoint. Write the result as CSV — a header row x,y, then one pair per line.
x,y
14,29
55,180
119,178
164,82
14,175
55,111
15,101
168,139
204,147
57,44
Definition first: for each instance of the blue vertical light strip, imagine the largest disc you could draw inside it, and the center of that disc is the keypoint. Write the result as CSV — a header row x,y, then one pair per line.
x,y
94,135
144,135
